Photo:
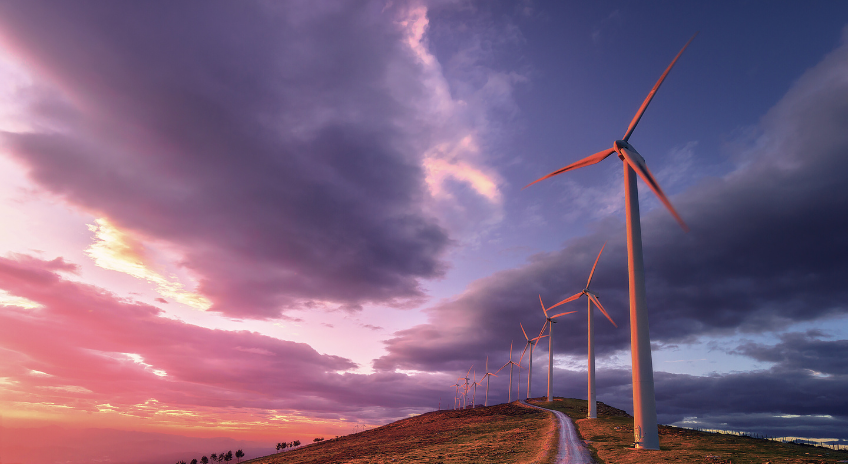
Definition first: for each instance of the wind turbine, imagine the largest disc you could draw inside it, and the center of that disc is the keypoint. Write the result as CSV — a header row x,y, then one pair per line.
x,y
474,395
644,400
509,363
531,342
465,394
456,395
591,298
549,321
486,376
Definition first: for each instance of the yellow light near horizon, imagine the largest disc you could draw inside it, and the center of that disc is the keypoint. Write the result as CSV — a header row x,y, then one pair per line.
x,y
116,250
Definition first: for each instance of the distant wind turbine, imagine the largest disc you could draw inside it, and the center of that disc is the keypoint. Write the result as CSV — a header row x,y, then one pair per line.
x,y
486,376
509,363
465,394
644,400
474,395
549,321
531,342
456,395
591,298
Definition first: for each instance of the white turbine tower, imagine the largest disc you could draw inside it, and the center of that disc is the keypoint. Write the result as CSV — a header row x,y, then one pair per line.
x,y
549,321
645,429
531,342
509,363
591,298
486,376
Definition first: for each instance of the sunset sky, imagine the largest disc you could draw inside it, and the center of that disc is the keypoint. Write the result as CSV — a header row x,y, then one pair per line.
x,y
229,224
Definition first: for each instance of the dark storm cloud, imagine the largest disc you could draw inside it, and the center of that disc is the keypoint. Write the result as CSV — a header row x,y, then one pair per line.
x,y
767,248
799,351
274,142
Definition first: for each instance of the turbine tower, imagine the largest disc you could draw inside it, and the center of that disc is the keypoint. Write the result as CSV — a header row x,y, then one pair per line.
x,y
645,429
486,376
549,321
591,298
531,342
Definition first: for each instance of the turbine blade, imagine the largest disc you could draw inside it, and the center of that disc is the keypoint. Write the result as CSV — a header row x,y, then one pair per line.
x,y
543,307
522,331
563,314
522,354
643,172
595,265
650,96
543,328
469,370
587,161
571,298
598,304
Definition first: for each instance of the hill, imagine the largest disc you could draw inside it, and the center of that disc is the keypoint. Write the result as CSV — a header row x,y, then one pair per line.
x,y
505,433
510,433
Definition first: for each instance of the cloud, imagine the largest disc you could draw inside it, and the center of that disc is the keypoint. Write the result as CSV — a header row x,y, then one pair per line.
x,y
279,148
96,353
766,249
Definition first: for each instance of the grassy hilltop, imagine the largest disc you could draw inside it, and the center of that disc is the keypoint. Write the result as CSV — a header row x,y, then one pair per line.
x,y
510,433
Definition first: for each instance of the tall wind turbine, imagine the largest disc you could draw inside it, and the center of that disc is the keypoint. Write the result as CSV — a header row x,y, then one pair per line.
x,y
531,342
511,364
644,401
486,376
591,298
549,321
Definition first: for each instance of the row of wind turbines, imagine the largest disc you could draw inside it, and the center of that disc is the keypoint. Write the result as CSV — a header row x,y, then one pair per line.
x,y
530,343
645,429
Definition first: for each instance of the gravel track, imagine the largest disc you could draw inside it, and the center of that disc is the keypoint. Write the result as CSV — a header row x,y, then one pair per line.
x,y
571,449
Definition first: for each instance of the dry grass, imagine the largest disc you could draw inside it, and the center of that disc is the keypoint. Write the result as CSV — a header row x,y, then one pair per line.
x,y
610,437
505,433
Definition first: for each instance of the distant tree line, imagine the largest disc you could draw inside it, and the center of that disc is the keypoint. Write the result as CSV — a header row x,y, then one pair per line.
x,y
283,445
217,457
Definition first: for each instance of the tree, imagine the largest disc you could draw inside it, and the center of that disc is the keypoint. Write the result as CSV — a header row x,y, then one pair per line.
x,y
229,456
296,443
221,456
204,460
316,440
181,462
239,455
213,457
193,461
281,446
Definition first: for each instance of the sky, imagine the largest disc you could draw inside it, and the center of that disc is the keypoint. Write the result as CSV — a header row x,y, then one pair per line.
x,y
230,224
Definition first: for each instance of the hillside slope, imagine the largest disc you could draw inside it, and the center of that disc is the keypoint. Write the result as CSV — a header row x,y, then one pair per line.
x,y
505,433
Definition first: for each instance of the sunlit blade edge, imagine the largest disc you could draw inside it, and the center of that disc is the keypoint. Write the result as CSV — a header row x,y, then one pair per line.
x,y
522,331
598,304
587,161
650,96
571,298
563,314
595,265
648,177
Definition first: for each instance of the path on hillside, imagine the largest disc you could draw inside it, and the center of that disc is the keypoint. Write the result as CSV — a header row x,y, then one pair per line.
x,y
571,449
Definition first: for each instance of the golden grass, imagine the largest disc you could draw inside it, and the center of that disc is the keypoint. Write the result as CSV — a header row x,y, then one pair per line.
x,y
505,433
610,437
